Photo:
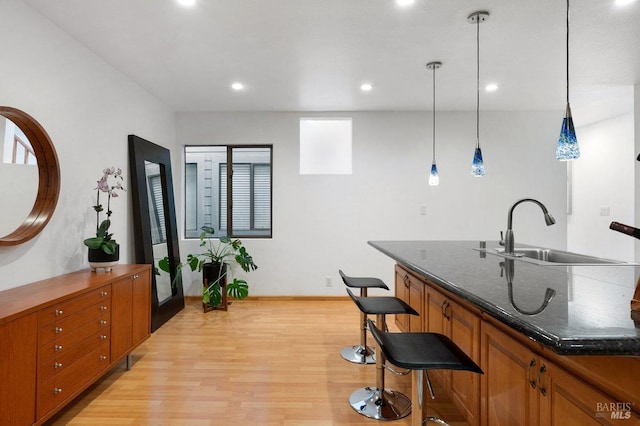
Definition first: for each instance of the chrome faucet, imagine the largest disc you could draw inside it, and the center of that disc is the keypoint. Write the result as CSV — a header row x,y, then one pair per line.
x,y
508,241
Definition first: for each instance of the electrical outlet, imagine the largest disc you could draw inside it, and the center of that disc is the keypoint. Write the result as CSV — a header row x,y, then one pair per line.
x,y
328,282
423,210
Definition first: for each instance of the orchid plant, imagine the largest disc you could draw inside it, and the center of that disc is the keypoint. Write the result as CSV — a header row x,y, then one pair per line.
x,y
109,183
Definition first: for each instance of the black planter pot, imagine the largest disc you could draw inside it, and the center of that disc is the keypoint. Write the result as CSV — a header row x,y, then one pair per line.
x,y
100,259
211,272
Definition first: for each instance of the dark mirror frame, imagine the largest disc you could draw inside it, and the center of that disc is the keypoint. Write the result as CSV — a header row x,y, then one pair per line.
x,y
141,150
48,177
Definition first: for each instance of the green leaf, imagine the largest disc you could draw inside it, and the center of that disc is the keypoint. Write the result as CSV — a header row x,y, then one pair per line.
x,y
94,242
164,264
238,289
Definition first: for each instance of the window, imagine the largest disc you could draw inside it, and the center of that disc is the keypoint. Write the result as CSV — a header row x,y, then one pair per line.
x,y
325,146
235,202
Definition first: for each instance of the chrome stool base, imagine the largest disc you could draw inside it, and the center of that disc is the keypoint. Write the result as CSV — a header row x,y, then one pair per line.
x,y
359,354
380,405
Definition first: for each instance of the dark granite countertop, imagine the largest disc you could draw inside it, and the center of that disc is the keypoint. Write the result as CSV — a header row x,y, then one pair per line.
x,y
589,313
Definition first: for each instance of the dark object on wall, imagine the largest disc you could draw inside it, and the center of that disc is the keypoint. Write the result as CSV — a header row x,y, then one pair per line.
x,y
154,225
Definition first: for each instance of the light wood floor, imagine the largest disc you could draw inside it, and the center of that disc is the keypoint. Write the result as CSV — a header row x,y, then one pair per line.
x,y
263,362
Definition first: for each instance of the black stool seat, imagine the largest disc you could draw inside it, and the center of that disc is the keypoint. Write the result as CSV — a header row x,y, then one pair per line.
x,y
362,282
423,351
382,305
420,352
362,353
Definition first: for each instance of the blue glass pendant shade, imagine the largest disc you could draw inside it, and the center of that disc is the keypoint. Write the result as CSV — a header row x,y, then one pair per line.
x,y
567,148
434,180
477,168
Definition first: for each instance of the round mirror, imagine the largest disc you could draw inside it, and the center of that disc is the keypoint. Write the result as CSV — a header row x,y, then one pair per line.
x,y
30,163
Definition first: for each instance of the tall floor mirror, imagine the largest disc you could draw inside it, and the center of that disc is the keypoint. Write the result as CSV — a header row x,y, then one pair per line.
x,y
154,223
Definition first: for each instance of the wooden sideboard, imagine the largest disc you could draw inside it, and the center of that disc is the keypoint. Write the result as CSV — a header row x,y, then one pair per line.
x,y
60,335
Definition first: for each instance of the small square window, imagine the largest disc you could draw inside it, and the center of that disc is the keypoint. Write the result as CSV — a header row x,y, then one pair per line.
x,y
325,146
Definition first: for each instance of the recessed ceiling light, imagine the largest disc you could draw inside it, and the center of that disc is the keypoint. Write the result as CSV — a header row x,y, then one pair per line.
x,y
187,2
491,87
624,2
237,86
366,87
405,2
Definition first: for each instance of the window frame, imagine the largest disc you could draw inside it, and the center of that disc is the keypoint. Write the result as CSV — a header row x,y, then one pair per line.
x,y
229,187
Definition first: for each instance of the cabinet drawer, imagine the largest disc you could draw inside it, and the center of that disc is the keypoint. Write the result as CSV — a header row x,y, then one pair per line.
x,y
62,386
68,307
98,329
67,355
97,313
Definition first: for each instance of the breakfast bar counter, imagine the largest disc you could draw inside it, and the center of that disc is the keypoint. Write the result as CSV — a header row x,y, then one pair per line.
x,y
556,342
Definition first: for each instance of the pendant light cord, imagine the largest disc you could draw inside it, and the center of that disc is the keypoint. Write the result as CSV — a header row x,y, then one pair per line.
x,y
478,81
567,52
434,114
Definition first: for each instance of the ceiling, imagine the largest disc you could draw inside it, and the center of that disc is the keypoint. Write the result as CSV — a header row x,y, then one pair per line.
x,y
312,55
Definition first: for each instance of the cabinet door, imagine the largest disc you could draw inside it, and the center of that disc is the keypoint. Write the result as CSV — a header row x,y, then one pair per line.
x,y
465,386
121,318
130,313
568,401
402,292
416,301
141,293
509,384
435,322
18,371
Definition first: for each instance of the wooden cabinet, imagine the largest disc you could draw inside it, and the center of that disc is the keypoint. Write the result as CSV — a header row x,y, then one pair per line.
x,y
510,381
568,401
18,349
520,387
445,316
401,283
410,289
62,334
73,337
130,325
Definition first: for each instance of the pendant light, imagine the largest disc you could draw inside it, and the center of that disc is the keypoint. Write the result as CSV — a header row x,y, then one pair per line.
x,y
567,148
434,180
477,167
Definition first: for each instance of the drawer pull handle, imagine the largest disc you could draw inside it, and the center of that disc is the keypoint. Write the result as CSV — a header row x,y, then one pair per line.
x,y
57,365
103,308
58,330
103,357
59,312
103,293
135,277
57,347
103,337
103,322
57,390
445,306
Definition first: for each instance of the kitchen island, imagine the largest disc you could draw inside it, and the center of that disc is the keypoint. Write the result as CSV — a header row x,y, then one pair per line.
x,y
557,343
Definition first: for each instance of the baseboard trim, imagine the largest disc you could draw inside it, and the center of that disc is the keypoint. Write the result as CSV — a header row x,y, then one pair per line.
x,y
281,298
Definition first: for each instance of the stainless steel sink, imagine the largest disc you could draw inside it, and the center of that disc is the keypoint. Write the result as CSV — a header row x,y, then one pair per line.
x,y
557,257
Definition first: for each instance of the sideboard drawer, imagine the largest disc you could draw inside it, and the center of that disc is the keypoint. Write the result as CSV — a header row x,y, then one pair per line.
x,y
68,307
61,386
97,313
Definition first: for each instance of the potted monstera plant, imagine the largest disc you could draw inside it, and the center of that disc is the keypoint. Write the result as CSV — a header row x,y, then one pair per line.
x,y
216,262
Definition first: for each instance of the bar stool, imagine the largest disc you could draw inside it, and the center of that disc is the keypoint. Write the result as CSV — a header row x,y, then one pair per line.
x,y
379,402
420,352
361,354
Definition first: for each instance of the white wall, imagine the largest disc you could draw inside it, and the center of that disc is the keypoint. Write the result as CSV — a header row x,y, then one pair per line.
x,y
603,177
88,108
323,223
